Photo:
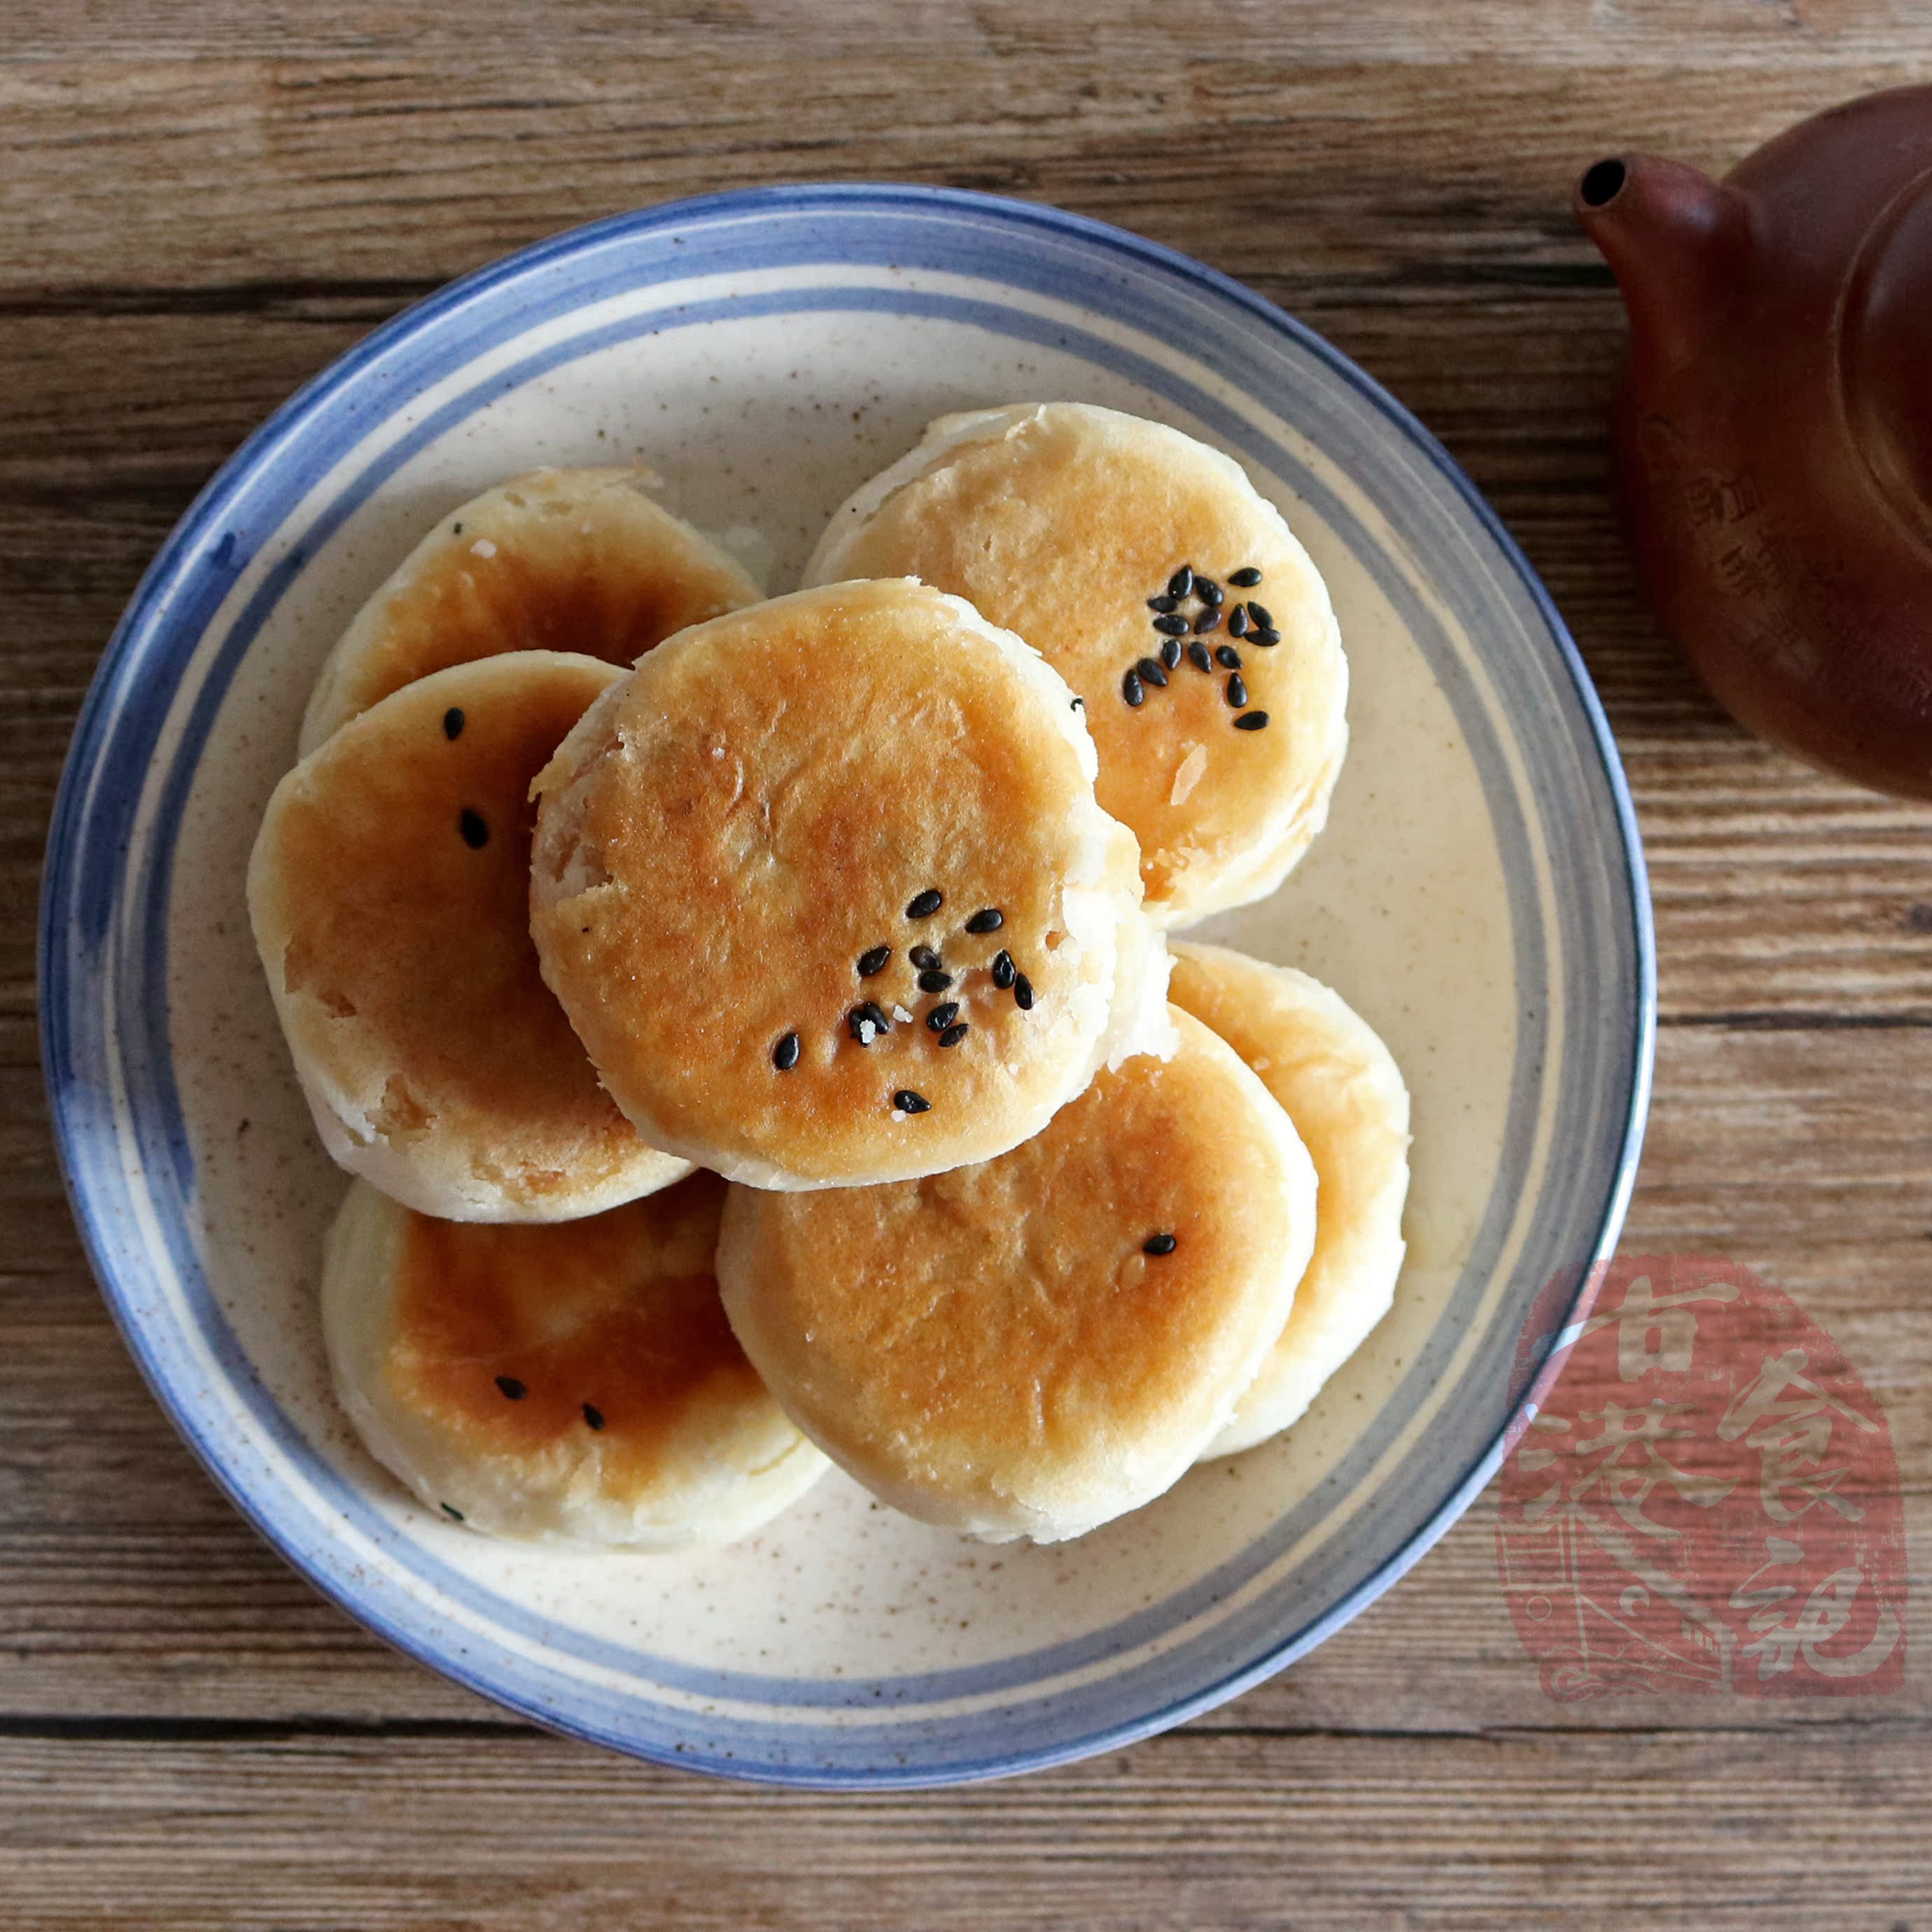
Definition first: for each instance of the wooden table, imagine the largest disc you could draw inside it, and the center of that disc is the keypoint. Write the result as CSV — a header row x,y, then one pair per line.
x,y
201,204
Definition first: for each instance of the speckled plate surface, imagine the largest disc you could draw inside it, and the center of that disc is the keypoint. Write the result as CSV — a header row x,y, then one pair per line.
x,y
1478,895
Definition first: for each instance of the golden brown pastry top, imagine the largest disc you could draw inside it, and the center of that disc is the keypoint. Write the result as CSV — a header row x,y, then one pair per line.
x,y
576,560
391,888
1014,1332
1060,525
518,1340
748,840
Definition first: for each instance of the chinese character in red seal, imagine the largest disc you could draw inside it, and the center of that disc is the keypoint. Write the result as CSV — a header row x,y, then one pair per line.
x,y
1706,1501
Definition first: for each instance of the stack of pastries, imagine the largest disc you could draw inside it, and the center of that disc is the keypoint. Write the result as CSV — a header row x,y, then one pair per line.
x,y
752,1023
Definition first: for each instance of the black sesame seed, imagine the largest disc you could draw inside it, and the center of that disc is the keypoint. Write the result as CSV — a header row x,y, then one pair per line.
x,y
1209,619
1023,992
511,1387
1151,673
1165,605
456,529
1258,616
1079,704
1237,690
784,1055
942,1017
452,722
1267,638
1208,591
1158,1244
988,918
1238,621
872,962
1172,627
1170,652
1247,577
928,903
1003,969
454,1514
953,1035
476,833
1131,689
1252,721
1227,658
593,1415
907,1102
866,1023
1181,582
934,981
1197,655
924,957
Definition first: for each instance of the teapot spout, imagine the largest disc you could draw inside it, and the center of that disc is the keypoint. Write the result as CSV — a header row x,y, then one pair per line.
x,y
1679,244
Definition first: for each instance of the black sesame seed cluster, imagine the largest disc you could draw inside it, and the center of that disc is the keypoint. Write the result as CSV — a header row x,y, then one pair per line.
x,y
1182,631
868,1020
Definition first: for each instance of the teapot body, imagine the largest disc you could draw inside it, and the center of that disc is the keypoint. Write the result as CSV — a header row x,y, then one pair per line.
x,y
1773,430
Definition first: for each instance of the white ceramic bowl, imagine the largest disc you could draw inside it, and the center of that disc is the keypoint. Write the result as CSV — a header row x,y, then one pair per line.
x,y
1478,895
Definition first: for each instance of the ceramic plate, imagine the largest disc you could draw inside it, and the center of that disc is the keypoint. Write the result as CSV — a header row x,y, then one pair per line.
x,y
1478,895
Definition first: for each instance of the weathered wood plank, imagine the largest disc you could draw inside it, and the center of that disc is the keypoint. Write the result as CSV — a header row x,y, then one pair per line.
x,y
1254,133
526,1832
1637,35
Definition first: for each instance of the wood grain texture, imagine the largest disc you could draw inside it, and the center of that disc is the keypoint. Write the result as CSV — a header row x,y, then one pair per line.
x,y
202,204
1227,1830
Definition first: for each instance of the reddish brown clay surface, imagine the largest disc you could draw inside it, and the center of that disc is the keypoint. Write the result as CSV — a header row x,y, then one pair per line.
x,y
1774,430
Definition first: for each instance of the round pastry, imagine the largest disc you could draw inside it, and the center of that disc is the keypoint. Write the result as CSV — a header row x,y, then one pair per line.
x,y
1167,593
1035,1345
1345,1095
576,1383
823,888
580,560
389,890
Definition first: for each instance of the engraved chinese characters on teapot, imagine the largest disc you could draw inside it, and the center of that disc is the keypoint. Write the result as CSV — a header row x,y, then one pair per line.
x,y
1773,433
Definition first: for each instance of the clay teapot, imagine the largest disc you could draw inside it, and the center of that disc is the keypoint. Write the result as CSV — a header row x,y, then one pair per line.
x,y
1773,432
